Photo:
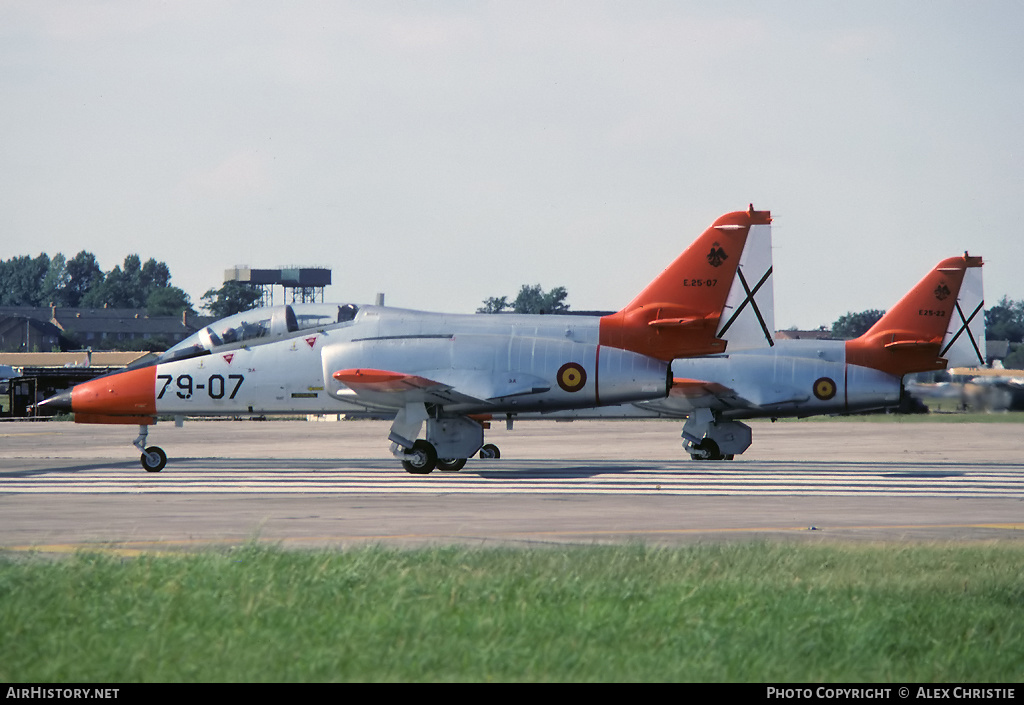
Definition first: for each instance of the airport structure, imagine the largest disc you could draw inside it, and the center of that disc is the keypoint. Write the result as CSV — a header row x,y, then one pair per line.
x,y
302,285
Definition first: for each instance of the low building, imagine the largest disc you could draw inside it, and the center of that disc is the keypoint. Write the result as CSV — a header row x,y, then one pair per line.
x,y
27,329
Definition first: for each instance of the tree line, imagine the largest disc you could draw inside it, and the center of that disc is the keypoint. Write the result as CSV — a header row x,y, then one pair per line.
x,y
531,299
80,283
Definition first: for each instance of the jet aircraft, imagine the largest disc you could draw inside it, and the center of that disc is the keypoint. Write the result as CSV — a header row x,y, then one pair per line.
x,y
450,371
939,322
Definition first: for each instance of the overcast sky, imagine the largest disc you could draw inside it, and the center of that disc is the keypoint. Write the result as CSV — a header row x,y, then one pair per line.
x,y
446,152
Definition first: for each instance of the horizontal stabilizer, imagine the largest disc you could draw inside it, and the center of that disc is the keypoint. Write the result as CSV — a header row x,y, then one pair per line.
x,y
897,345
677,322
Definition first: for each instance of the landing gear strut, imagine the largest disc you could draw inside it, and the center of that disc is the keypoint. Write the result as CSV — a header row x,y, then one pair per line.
x,y
153,458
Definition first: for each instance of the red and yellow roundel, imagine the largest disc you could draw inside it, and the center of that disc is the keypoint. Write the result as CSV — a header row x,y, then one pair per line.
x,y
824,388
572,377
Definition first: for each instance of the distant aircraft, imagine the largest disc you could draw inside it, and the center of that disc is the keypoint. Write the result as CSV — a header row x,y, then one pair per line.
x,y
449,370
987,389
938,323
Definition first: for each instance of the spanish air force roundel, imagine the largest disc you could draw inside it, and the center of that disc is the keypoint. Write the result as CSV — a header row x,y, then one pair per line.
x,y
572,377
824,388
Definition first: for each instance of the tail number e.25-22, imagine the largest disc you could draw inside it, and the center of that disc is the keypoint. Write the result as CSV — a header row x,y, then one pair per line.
x,y
215,386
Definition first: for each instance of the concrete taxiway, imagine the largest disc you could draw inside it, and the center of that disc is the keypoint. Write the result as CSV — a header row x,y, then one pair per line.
x,y
64,487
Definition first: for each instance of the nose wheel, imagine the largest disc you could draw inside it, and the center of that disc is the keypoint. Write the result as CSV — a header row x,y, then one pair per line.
x,y
153,459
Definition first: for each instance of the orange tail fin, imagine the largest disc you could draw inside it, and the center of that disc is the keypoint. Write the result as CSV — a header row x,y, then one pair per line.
x,y
909,337
678,314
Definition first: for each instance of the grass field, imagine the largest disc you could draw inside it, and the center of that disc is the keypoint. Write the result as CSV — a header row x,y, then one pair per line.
x,y
751,612
938,415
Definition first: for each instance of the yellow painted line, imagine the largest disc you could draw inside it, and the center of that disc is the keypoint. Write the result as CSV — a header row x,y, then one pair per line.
x,y
138,548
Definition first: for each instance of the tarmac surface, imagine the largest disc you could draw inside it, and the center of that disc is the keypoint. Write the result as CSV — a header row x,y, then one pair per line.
x,y
66,487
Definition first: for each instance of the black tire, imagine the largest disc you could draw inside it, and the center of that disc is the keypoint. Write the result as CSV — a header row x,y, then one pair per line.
x,y
154,459
490,452
709,450
422,459
451,464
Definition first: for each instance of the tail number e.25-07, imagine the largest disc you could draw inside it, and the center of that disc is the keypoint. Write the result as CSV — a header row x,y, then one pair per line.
x,y
215,386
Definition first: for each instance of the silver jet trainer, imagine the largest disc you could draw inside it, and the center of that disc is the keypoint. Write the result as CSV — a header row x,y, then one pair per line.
x,y
450,371
939,322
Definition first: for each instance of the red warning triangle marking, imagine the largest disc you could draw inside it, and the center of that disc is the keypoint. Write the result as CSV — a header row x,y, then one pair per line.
x,y
311,341
229,357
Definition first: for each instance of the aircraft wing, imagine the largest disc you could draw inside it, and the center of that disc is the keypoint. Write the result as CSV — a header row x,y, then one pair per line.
x,y
398,389
687,395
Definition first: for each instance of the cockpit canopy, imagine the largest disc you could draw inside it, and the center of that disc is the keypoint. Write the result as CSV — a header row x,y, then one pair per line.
x,y
260,326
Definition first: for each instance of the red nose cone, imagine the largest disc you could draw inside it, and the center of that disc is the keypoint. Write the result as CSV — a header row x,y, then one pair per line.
x,y
129,393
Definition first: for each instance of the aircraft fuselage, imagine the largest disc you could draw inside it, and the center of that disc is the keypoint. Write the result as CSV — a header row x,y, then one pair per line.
x,y
498,363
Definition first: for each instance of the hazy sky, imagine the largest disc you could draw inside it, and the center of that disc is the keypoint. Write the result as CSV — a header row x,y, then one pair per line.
x,y
445,152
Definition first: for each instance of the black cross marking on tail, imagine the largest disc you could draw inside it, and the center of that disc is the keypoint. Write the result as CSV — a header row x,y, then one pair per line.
x,y
966,322
753,304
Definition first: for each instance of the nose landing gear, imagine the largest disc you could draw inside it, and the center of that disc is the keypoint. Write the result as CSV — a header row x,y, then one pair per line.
x,y
153,458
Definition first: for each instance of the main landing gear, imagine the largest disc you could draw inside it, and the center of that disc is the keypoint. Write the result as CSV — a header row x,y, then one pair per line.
x,y
706,438
422,458
450,441
154,458
706,449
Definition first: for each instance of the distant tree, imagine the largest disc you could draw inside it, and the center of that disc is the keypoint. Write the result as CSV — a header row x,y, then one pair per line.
x,y
55,281
154,275
1005,321
22,280
40,281
82,275
130,285
853,325
1015,360
168,301
531,299
494,305
233,297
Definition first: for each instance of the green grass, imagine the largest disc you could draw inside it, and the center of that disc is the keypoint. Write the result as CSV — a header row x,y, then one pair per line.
x,y
737,612
937,416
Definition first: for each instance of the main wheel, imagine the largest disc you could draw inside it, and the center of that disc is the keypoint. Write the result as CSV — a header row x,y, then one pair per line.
x,y
451,464
422,459
154,459
490,452
711,448
707,450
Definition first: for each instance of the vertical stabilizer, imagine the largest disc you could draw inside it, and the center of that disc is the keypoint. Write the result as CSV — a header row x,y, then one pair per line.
x,y
914,335
964,343
682,312
748,319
